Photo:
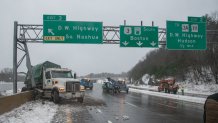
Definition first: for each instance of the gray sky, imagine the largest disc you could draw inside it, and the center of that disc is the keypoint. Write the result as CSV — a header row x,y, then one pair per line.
x,y
86,58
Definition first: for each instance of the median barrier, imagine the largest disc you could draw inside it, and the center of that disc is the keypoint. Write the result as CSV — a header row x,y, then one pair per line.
x,y
8,103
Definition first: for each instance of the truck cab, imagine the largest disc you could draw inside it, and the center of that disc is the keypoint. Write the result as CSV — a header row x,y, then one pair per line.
x,y
62,84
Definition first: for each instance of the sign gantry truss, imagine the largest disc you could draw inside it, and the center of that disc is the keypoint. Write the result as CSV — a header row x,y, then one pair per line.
x,y
111,34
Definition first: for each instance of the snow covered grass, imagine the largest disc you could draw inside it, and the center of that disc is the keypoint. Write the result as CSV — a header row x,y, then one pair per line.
x,y
204,89
9,92
31,112
171,96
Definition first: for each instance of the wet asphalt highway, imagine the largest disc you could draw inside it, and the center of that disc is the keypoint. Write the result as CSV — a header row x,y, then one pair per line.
x,y
102,107
141,108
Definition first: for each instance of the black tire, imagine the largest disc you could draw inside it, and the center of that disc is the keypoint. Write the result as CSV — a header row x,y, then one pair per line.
x,y
24,89
91,88
56,97
80,99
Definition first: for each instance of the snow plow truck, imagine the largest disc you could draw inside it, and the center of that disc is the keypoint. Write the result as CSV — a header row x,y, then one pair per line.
x,y
52,81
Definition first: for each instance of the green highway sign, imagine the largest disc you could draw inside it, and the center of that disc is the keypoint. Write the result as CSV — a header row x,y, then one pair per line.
x,y
54,17
196,19
186,35
138,36
72,32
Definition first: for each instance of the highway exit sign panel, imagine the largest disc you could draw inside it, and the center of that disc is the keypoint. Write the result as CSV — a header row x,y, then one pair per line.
x,y
54,17
72,32
138,36
186,35
196,19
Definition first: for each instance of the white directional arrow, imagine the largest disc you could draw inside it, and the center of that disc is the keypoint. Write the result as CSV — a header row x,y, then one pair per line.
x,y
139,43
125,43
50,31
153,43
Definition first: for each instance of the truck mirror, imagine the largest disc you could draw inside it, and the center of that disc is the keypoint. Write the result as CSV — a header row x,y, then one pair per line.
x,y
74,75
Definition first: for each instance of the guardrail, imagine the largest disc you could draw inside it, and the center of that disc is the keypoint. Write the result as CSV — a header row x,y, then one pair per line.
x,y
8,103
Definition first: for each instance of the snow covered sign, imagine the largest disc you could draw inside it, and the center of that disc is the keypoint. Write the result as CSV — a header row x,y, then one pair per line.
x,y
186,35
138,36
72,32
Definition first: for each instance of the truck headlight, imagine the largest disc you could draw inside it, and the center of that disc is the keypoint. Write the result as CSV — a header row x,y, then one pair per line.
x,y
82,88
61,90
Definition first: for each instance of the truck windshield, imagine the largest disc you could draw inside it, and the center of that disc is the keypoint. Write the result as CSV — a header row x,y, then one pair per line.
x,y
61,74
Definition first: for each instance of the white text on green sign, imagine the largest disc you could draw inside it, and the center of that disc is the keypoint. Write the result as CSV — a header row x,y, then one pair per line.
x,y
197,19
54,17
138,36
72,32
186,35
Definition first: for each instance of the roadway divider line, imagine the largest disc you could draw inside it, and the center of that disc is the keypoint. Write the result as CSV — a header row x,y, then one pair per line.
x,y
69,116
166,105
131,104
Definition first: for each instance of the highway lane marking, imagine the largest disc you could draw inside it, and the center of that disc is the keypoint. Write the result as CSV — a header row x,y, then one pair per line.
x,y
99,110
132,104
166,105
69,118
109,121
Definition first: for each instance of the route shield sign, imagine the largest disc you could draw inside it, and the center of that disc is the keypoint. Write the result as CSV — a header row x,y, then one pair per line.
x,y
138,36
54,17
186,35
72,32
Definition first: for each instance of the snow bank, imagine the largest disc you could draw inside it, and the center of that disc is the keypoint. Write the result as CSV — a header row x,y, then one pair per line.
x,y
31,112
9,92
171,96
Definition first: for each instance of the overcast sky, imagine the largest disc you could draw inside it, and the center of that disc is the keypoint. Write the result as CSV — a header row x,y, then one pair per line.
x,y
91,58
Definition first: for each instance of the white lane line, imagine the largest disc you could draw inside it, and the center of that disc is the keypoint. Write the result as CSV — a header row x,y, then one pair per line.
x,y
166,105
99,110
132,104
109,121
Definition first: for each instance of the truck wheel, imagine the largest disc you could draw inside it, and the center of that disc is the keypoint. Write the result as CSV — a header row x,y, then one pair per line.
x,y
80,99
91,88
56,97
24,89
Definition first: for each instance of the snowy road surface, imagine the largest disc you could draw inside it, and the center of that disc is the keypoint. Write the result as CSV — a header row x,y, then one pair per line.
x,y
99,107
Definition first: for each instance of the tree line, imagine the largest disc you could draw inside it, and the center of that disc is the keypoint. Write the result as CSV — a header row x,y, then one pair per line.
x,y
6,75
177,63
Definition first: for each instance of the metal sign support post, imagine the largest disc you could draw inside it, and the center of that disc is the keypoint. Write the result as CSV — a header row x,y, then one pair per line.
x,y
15,58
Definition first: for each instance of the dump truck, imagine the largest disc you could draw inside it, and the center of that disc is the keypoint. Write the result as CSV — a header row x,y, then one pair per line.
x,y
52,81
168,85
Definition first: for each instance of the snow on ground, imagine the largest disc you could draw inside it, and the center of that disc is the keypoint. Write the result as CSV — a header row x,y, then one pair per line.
x,y
203,89
31,112
9,92
171,96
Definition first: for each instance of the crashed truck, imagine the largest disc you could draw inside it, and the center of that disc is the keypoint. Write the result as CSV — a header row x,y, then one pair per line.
x,y
168,85
52,81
